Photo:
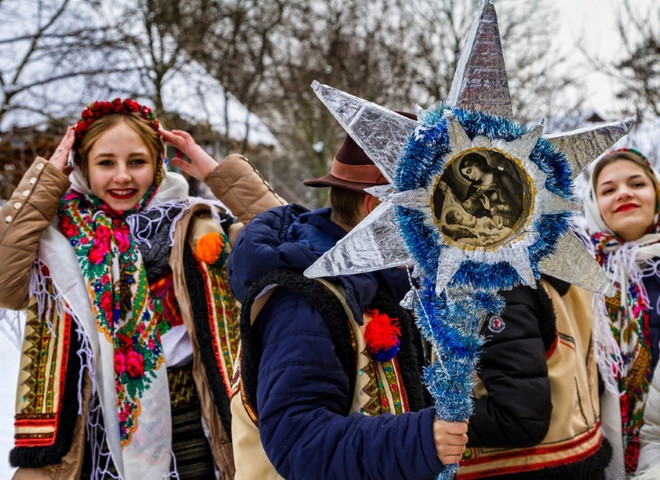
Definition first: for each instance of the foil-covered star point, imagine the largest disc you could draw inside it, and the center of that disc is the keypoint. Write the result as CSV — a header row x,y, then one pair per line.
x,y
385,135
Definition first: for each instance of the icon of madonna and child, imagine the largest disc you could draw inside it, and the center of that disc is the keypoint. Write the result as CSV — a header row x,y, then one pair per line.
x,y
480,198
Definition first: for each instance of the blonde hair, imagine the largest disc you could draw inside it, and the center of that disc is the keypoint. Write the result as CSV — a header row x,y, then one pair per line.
x,y
148,135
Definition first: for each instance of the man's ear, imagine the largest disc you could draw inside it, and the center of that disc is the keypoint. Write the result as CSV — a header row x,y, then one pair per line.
x,y
370,203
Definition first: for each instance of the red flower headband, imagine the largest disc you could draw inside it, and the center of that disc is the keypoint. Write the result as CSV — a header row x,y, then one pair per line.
x,y
636,152
98,109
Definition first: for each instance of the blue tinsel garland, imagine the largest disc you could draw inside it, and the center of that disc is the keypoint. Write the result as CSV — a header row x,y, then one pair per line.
x,y
451,322
424,159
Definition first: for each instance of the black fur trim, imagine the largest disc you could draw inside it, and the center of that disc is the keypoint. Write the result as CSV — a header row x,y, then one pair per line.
x,y
559,285
548,323
197,292
333,313
590,468
324,301
36,457
408,356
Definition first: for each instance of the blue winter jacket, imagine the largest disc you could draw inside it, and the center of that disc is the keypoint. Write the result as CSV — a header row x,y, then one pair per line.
x,y
302,390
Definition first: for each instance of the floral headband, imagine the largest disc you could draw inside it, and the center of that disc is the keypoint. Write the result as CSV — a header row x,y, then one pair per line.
x,y
635,151
98,109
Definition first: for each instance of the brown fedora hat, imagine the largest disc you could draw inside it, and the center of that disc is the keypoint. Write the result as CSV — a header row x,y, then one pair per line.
x,y
352,168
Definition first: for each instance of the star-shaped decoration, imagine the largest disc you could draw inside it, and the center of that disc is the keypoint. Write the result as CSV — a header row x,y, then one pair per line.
x,y
479,85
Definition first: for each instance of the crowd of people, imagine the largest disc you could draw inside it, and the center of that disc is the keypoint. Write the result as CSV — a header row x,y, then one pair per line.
x,y
170,336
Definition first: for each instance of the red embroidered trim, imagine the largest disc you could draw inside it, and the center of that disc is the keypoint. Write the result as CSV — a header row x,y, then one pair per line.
x,y
210,306
526,468
402,391
28,419
46,419
595,430
33,440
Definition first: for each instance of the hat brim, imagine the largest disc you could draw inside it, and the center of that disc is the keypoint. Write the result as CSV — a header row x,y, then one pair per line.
x,y
331,181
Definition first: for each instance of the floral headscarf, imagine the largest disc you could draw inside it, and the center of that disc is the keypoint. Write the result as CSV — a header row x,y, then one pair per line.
x,y
626,263
128,376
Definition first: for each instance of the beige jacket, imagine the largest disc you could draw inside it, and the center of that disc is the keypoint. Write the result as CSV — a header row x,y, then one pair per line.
x,y
30,211
575,432
649,455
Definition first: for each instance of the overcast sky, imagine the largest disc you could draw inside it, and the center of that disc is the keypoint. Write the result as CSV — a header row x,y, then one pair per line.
x,y
593,24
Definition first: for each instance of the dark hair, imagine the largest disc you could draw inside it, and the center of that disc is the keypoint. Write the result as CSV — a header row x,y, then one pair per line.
x,y
628,155
346,205
474,160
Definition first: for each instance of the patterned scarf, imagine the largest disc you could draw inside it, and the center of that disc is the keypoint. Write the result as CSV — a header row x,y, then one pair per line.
x,y
629,324
121,302
132,386
626,264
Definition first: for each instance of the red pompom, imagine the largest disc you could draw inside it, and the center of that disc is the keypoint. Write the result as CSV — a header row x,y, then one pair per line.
x,y
382,332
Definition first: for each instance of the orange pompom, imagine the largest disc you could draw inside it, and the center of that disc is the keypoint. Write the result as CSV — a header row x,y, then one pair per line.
x,y
209,247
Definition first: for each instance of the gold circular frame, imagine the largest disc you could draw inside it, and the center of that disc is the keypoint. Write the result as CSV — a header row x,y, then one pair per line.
x,y
486,231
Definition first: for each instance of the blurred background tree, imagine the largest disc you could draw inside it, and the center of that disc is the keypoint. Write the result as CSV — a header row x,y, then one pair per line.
x,y
60,54
636,69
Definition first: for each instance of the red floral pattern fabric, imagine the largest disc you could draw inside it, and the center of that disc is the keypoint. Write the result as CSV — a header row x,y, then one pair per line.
x,y
121,300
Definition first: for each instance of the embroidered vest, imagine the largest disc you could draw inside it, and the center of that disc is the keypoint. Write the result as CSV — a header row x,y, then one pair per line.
x,y
575,432
393,386
47,394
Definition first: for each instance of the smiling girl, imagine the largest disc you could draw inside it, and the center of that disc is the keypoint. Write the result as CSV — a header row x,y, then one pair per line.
x,y
131,332
622,220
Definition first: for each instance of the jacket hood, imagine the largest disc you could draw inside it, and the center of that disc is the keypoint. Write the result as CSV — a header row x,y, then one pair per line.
x,y
292,238
283,238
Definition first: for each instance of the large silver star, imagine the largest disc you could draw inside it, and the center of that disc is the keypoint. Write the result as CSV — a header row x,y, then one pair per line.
x,y
480,83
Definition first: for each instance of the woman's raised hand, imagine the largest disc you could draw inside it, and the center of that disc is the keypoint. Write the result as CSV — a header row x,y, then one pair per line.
x,y
60,156
201,163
